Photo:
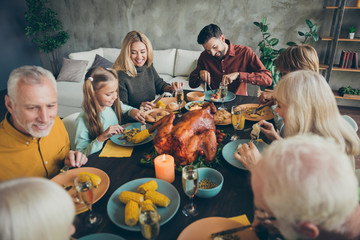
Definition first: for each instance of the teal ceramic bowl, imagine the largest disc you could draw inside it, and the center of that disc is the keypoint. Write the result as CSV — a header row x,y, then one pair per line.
x,y
214,176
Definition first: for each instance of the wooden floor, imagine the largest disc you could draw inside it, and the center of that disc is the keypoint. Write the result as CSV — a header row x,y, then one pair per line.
x,y
353,112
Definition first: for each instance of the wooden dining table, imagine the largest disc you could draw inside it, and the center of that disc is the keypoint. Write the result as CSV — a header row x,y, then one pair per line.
x,y
234,199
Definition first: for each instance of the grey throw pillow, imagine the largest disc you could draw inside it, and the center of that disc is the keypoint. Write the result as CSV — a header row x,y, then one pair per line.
x,y
101,62
72,70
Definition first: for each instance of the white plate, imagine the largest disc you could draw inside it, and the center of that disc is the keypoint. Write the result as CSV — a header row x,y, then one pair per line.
x,y
122,142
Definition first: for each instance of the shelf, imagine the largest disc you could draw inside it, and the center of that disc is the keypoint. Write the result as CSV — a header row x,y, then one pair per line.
x,y
323,38
336,7
335,68
346,96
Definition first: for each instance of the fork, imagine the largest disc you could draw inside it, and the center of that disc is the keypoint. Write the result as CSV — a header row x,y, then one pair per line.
x,y
64,169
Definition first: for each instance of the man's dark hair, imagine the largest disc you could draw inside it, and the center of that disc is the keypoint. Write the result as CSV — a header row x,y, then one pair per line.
x,y
208,32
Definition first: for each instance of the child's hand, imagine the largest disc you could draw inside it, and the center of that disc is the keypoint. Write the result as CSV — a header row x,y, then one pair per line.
x,y
138,115
111,131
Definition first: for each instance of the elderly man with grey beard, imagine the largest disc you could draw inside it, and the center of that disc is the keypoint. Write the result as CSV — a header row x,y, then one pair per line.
x,y
306,188
33,139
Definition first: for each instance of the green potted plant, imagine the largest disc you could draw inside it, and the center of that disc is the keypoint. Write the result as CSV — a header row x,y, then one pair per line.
x,y
45,30
310,35
351,32
268,53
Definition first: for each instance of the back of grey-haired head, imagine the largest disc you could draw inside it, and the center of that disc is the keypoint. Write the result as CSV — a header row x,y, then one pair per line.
x,y
308,178
30,75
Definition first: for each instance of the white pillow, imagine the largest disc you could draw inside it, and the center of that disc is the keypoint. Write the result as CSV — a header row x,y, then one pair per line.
x,y
185,61
111,54
164,61
72,70
88,56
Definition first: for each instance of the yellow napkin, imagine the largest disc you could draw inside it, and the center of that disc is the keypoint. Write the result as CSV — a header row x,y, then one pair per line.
x,y
247,234
113,150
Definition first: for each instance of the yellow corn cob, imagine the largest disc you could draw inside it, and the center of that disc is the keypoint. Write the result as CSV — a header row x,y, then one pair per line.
x,y
157,198
131,213
141,136
160,104
150,185
148,206
95,179
126,196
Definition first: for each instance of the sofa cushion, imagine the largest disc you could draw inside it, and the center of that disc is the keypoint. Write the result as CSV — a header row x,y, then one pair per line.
x,y
185,62
111,54
88,55
70,93
164,61
101,62
72,70
185,81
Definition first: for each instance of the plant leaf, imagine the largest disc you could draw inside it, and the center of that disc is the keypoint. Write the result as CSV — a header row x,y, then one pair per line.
x,y
309,23
257,24
274,41
301,33
291,43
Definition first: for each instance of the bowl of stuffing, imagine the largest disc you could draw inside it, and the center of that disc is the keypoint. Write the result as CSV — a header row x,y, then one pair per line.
x,y
210,182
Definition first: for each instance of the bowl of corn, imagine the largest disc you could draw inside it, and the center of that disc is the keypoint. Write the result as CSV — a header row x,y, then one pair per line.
x,y
210,182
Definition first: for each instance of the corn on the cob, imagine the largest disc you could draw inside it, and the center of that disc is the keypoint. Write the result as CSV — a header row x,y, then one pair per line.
x,y
131,213
150,185
141,136
157,198
126,196
148,206
95,179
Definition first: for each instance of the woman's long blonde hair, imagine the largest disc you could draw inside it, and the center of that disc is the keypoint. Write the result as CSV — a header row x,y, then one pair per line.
x,y
312,108
123,61
95,79
298,57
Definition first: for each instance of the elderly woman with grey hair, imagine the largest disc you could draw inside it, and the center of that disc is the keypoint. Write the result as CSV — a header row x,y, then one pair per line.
x,y
34,209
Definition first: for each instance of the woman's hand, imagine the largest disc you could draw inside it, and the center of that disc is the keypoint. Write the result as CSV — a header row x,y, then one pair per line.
x,y
175,86
109,132
269,130
266,98
248,155
146,106
137,115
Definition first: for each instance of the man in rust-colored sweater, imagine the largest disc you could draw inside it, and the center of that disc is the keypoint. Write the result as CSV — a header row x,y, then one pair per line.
x,y
235,65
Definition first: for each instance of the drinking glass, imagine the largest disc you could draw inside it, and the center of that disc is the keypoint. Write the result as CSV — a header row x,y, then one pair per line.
x,y
223,88
190,184
84,189
179,96
149,221
237,120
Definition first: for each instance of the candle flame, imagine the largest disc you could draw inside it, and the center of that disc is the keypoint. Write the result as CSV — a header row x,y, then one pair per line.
x,y
163,157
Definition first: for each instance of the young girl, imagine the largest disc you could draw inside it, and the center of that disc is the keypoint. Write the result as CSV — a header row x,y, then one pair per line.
x,y
102,111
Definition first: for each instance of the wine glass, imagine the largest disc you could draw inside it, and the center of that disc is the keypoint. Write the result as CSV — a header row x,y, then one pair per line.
x,y
84,188
149,221
190,183
179,96
223,88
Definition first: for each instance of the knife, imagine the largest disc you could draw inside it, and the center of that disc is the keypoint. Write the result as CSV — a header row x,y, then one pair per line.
x,y
257,109
230,231
158,98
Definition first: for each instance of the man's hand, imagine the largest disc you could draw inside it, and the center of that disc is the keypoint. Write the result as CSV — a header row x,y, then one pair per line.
x,y
248,155
229,78
205,76
75,159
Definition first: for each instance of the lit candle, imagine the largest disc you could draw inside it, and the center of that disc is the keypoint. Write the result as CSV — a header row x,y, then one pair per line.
x,y
165,168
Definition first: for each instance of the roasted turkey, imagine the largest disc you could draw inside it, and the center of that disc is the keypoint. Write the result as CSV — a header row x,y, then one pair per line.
x,y
194,133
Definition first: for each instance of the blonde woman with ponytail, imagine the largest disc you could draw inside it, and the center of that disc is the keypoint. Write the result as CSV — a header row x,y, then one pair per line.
x,y
102,111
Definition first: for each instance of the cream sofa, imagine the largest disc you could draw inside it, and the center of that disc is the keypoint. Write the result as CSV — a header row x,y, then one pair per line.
x,y
173,65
